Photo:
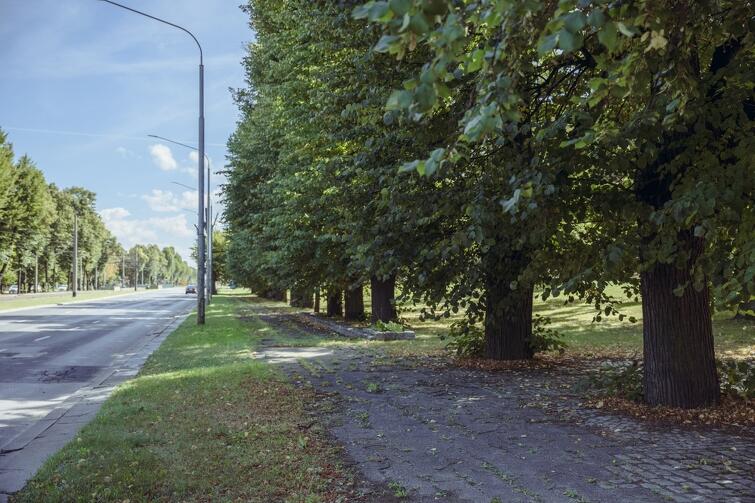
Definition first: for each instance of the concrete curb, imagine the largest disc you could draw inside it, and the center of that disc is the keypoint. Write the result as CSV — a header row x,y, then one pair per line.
x,y
24,454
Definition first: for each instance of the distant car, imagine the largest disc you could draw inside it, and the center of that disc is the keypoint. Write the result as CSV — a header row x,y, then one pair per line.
x,y
13,289
61,288
191,289
231,284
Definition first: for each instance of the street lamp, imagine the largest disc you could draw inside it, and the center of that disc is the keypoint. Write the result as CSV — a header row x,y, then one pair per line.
x,y
200,177
210,224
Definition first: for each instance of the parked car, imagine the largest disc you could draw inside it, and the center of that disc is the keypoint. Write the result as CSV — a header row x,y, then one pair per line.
x,y
13,289
191,289
61,288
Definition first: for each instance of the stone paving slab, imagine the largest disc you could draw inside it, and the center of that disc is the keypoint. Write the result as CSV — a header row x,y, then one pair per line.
x,y
452,434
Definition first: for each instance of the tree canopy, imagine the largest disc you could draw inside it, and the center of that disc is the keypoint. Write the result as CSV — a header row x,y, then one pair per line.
x,y
484,152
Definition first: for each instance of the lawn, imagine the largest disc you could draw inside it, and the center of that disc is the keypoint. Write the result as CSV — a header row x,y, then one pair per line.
x,y
203,421
583,336
15,302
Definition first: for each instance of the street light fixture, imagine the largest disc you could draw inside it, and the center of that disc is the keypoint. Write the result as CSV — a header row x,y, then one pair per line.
x,y
210,223
200,177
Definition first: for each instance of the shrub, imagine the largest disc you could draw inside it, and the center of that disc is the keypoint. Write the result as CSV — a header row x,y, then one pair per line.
x,y
623,381
388,326
737,378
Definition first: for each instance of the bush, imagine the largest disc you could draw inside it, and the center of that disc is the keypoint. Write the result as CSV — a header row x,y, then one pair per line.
x,y
467,339
544,338
388,326
623,381
737,378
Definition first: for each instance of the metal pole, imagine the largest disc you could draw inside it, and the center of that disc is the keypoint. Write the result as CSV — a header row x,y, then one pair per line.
x,y
200,209
136,269
200,212
75,254
209,237
123,270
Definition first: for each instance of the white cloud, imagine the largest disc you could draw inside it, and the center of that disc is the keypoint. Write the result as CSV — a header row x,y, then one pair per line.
x,y
114,213
163,231
165,200
163,157
126,153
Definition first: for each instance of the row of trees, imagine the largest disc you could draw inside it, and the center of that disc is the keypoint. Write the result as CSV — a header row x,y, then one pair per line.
x,y
36,236
482,152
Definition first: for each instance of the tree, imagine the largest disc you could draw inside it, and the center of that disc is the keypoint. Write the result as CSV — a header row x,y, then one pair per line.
x,y
661,120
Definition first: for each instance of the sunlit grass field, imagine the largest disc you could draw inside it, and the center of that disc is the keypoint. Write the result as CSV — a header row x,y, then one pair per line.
x,y
574,321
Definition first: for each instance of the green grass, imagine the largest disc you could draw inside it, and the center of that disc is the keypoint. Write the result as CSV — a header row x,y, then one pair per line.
x,y
61,298
203,421
609,337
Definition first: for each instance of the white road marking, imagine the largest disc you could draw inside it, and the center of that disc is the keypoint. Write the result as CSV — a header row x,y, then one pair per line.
x,y
41,338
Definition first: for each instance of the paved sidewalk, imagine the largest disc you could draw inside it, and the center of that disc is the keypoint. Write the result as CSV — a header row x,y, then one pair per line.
x,y
450,434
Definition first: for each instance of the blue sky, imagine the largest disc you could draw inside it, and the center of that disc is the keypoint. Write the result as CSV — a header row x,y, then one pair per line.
x,y
83,83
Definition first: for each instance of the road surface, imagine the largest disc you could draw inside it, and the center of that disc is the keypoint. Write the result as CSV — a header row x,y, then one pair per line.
x,y
58,364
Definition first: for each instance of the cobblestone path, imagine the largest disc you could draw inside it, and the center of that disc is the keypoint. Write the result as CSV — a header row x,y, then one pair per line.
x,y
442,433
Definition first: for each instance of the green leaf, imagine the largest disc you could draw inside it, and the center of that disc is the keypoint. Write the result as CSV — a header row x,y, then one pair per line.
x,y
547,44
425,96
385,42
608,36
399,100
574,21
569,41
596,18
400,7
628,31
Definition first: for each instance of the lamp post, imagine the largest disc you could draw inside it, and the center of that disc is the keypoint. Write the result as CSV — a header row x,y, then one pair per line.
x,y
200,177
209,212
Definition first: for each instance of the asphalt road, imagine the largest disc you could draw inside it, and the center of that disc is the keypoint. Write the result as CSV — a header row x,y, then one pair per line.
x,y
57,364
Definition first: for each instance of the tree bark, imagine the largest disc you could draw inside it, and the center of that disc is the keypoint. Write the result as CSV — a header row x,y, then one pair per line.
x,y
680,364
306,300
335,305
316,307
354,301
382,296
508,321
301,298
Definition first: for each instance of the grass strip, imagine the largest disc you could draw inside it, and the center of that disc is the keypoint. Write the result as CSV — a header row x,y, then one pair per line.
x,y
203,421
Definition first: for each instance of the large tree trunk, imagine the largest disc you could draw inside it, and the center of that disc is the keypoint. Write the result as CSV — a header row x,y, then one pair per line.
x,y
301,298
680,364
382,297
316,307
335,305
508,321
273,294
354,300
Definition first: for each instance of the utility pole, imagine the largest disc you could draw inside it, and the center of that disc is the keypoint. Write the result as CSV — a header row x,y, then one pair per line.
x,y
123,269
200,177
75,254
136,269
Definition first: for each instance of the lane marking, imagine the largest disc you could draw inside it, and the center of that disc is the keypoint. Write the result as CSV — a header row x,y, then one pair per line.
x,y
41,338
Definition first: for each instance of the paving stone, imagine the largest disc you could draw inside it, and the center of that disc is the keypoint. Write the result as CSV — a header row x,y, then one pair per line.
x,y
528,433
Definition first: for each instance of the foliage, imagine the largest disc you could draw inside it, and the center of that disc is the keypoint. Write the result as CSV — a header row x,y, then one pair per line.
x,y
545,338
617,380
36,231
737,377
466,339
388,326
